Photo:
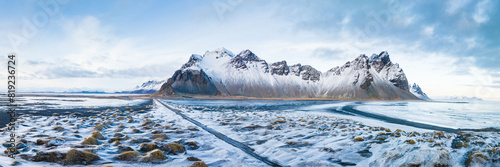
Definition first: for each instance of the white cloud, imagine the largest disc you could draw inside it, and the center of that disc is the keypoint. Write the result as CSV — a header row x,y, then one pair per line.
x,y
346,20
481,12
455,5
471,43
428,31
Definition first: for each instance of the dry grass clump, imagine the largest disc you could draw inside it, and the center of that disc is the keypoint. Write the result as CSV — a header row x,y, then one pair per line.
x,y
75,156
173,148
58,128
136,131
279,121
11,151
99,127
40,142
145,147
359,139
148,121
191,158
97,135
410,141
129,156
198,164
53,156
477,158
154,156
90,141
159,136
117,139
192,128
462,144
139,140
192,145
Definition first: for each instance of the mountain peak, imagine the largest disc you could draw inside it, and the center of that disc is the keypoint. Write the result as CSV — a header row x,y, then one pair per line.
x,y
417,91
195,58
218,53
381,60
248,55
381,57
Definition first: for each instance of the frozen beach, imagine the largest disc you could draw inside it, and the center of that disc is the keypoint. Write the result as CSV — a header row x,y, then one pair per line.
x,y
131,132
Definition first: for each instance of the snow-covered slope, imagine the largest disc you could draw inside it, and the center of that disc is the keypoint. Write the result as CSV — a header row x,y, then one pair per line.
x,y
150,86
223,73
417,91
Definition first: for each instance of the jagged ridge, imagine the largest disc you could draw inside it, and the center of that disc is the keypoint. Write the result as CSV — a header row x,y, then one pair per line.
x,y
223,73
417,91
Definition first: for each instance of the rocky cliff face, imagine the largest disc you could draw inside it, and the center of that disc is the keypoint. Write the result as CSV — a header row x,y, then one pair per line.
x,y
280,68
189,82
417,91
222,73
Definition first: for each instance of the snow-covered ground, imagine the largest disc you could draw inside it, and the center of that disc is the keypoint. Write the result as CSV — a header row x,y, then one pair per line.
x,y
40,135
292,133
308,136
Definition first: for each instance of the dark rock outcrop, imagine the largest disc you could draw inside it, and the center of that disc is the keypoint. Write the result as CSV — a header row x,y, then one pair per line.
x,y
245,57
188,82
280,68
307,72
395,74
192,61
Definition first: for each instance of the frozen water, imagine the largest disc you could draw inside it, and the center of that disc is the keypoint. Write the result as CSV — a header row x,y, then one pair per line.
x,y
290,132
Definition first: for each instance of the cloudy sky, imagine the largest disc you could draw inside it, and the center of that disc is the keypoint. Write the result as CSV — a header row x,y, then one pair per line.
x,y
450,48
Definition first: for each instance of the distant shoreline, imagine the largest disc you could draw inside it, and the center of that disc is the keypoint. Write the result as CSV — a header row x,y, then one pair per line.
x,y
268,98
151,96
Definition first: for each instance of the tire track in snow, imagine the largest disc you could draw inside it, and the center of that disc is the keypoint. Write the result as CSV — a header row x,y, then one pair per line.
x,y
239,145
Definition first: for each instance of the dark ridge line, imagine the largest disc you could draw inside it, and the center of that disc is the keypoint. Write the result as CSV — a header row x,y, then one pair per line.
x,y
241,146
480,130
350,109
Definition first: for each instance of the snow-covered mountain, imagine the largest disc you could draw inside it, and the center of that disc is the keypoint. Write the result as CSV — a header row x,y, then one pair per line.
x,y
223,73
417,91
147,87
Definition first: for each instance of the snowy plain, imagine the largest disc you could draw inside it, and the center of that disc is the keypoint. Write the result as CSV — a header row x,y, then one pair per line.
x,y
289,132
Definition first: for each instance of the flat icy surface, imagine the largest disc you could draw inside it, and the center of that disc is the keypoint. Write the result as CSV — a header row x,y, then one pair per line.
x,y
294,133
